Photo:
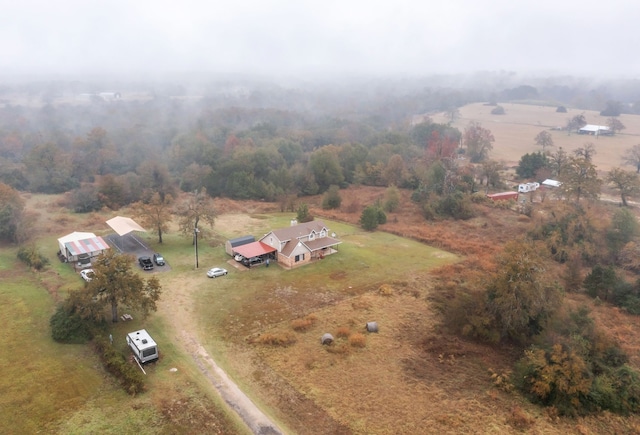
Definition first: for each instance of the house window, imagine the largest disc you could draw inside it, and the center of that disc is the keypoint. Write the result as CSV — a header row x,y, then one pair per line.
x,y
323,233
312,236
299,257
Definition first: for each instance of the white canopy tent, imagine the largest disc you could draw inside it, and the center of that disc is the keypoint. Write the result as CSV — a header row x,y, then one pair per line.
x,y
124,225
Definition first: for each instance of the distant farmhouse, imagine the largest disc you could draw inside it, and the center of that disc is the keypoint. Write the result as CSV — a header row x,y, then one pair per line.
x,y
101,96
595,130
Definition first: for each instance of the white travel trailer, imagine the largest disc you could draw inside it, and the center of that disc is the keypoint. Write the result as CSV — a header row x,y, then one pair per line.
x,y
143,346
528,187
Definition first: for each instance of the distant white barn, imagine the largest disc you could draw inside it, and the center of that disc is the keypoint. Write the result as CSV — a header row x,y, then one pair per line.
x,y
551,183
595,130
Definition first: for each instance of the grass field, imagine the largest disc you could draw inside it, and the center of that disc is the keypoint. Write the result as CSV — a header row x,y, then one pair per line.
x,y
408,378
515,131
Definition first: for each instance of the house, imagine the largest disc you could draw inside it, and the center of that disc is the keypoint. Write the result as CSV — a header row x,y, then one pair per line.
x,y
595,130
301,243
230,246
81,247
503,196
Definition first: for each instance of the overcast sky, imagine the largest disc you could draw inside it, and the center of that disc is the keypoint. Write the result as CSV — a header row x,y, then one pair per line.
x,y
319,37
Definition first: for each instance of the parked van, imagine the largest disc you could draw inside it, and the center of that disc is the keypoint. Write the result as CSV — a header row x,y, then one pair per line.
x,y
143,346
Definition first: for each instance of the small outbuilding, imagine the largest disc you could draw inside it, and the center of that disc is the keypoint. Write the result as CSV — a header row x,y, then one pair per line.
x,y
551,183
234,243
80,247
503,196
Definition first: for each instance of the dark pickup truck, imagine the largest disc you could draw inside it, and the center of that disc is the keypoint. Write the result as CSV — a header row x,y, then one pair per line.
x,y
145,263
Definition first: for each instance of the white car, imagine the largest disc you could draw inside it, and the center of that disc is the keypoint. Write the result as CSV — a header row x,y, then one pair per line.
x,y
216,271
238,257
87,274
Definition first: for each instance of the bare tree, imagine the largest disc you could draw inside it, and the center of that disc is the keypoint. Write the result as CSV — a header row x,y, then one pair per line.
x,y
544,140
615,125
627,183
631,157
587,151
194,208
575,123
479,142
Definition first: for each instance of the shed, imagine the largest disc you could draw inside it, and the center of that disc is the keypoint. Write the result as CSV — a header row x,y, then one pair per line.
x,y
503,196
79,245
551,183
239,241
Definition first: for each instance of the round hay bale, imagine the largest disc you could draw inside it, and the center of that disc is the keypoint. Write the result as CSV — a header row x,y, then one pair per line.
x,y
372,326
326,339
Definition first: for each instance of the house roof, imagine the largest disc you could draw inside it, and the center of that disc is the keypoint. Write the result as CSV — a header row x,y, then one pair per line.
x,y
124,225
300,230
320,243
86,246
254,249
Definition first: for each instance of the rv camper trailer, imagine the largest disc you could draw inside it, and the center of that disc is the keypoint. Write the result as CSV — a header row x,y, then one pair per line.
x,y
142,345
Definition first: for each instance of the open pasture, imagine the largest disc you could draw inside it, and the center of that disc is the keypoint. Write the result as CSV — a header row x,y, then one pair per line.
x,y
515,131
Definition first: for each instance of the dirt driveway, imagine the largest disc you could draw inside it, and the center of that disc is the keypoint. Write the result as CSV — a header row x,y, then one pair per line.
x,y
177,307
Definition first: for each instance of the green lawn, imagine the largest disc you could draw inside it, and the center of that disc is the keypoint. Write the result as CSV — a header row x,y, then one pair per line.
x,y
62,388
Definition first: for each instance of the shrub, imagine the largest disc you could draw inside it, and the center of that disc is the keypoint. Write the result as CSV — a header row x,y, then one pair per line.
x,y
519,419
343,332
357,340
304,324
456,205
498,110
303,214
32,257
371,217
561,109
283,339
391,199
558,377
115,363
331,198
68,327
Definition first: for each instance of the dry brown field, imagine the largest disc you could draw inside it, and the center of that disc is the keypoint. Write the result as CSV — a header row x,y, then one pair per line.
x,y
515,131
411,377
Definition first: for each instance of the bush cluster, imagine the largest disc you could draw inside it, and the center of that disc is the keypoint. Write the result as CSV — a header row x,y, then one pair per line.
x,y
304,324
128,374
32,256
67,326
578,370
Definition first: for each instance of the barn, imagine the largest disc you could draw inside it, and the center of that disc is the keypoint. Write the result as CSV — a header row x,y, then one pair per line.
x,y
234,243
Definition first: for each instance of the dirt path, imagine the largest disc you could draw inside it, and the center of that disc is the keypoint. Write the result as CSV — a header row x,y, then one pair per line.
x,y
176,306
